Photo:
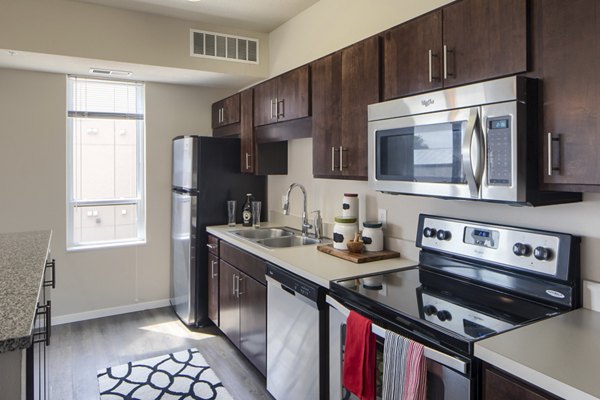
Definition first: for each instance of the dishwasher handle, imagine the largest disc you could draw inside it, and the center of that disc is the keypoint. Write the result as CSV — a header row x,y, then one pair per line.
x,y
287,289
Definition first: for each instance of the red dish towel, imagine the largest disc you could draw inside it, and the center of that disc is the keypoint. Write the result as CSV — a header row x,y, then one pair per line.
x,y
404,368
359,357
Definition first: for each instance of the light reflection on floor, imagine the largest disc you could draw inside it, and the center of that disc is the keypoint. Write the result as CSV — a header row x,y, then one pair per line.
x,y
177,329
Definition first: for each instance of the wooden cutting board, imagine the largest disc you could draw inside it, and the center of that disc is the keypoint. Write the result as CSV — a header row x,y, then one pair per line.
x,y
358,258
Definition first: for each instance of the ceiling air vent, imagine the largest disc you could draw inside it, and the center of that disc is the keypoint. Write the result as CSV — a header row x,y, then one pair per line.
x,y
109,72
225,47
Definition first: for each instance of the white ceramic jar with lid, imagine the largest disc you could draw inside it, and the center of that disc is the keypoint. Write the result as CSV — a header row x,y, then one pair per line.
x,y
343,230
372,235
350,205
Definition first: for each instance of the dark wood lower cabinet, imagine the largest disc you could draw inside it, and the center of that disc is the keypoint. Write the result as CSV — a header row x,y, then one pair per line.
x,y
243,303
498,385
213,288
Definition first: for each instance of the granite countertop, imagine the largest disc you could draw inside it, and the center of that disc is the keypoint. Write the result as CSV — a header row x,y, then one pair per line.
x,y
306,261
560,355
22,264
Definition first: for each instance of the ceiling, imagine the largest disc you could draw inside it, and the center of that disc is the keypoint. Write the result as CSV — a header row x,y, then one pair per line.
x,y
254,15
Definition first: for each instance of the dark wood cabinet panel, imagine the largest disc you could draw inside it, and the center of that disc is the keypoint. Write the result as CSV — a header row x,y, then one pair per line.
x,y
253,322
244,261
413,56
213,288
500,386
229,310
213,245
293,94
283,98
469,40
248,143
343,85
569,53
484,39
226,111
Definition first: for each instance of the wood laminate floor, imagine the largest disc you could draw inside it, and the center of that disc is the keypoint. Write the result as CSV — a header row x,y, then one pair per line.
x,y
78,350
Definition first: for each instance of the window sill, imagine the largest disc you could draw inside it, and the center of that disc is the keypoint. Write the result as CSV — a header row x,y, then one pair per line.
x,y
101,246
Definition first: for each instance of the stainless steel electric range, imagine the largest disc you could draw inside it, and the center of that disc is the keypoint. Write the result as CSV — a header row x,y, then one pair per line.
x,y
473,280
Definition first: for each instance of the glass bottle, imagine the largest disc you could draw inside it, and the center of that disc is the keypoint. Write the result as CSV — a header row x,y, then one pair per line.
x,y
247,211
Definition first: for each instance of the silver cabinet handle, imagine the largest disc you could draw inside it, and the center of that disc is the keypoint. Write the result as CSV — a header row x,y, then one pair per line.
x,y
551,167
233,286
212,268
272,110
248,155
211,246
332,158
239,279
282,112
430,72
341,158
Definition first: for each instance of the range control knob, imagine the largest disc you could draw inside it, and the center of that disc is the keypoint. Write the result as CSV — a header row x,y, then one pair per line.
x,y
542,253
429,232
521,249
429,310
443,235
444,315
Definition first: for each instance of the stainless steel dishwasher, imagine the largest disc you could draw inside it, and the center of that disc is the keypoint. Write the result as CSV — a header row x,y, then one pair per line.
x,y
297,350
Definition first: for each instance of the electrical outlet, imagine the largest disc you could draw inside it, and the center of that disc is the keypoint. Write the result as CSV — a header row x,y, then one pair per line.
x,y
382,216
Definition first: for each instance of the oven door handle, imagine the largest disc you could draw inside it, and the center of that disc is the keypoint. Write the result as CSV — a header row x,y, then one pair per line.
x,y
431,354
469,157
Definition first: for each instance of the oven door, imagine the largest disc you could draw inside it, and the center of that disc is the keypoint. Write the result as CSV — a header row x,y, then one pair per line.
x,y
437,154
444,381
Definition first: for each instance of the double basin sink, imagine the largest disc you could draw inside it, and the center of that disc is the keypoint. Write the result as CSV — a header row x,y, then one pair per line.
x,y
275,237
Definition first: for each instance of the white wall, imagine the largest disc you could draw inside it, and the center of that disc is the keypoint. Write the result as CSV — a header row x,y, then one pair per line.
x,y
33,187
332,24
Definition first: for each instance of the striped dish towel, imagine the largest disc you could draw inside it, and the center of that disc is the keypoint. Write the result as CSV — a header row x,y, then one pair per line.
x,y
404,368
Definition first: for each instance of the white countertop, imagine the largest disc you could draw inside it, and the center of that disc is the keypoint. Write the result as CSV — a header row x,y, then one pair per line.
x,y
307,261
560,355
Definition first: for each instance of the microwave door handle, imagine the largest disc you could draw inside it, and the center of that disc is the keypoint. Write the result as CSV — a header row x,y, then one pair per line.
x,y
472,175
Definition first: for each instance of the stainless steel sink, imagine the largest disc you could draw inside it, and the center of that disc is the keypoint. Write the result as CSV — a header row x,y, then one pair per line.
x,y
275,237
264,233
287,241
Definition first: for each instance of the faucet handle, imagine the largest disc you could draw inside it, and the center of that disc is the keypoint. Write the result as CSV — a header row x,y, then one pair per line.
x,y
317,224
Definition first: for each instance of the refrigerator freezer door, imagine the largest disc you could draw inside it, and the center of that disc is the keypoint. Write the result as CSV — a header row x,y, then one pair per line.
x,y
185,164
183,256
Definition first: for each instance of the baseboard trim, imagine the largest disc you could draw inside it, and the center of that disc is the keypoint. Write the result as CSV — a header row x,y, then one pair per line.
x,y
107,312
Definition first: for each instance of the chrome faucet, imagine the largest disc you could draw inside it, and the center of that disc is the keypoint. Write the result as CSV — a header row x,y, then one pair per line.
x,y
286,207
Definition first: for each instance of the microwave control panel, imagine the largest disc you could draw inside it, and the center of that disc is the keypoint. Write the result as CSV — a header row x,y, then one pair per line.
x,y
499,151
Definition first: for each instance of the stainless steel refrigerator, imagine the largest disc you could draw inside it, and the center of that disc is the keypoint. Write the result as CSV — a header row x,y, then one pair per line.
x,y
206,173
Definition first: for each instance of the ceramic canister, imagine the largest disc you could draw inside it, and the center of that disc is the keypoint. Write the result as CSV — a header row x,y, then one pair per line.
x,y
350,205
343,230
372,235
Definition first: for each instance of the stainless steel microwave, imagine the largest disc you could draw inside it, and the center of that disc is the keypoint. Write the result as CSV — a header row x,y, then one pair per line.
x,y
477,142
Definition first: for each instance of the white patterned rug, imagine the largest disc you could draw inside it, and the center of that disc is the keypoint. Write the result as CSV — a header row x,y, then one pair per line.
x,y
182,375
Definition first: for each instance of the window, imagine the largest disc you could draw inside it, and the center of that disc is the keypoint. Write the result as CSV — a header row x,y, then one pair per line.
x,y
105,166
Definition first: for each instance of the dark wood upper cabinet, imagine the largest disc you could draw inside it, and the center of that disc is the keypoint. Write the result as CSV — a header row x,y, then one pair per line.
x,y
412,56
248,143
343,85
569,60
226,111
283,98
465,41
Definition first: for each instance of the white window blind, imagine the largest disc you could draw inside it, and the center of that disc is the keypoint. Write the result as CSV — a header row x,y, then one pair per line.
x,y
105,182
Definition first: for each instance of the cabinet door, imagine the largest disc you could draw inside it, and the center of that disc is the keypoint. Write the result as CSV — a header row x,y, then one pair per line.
x,y
484,40
253,322
216,114
213,288
326,101
248,151
229,309
265,107
360,87
498,386
570,60
292,94
412,57
231,110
